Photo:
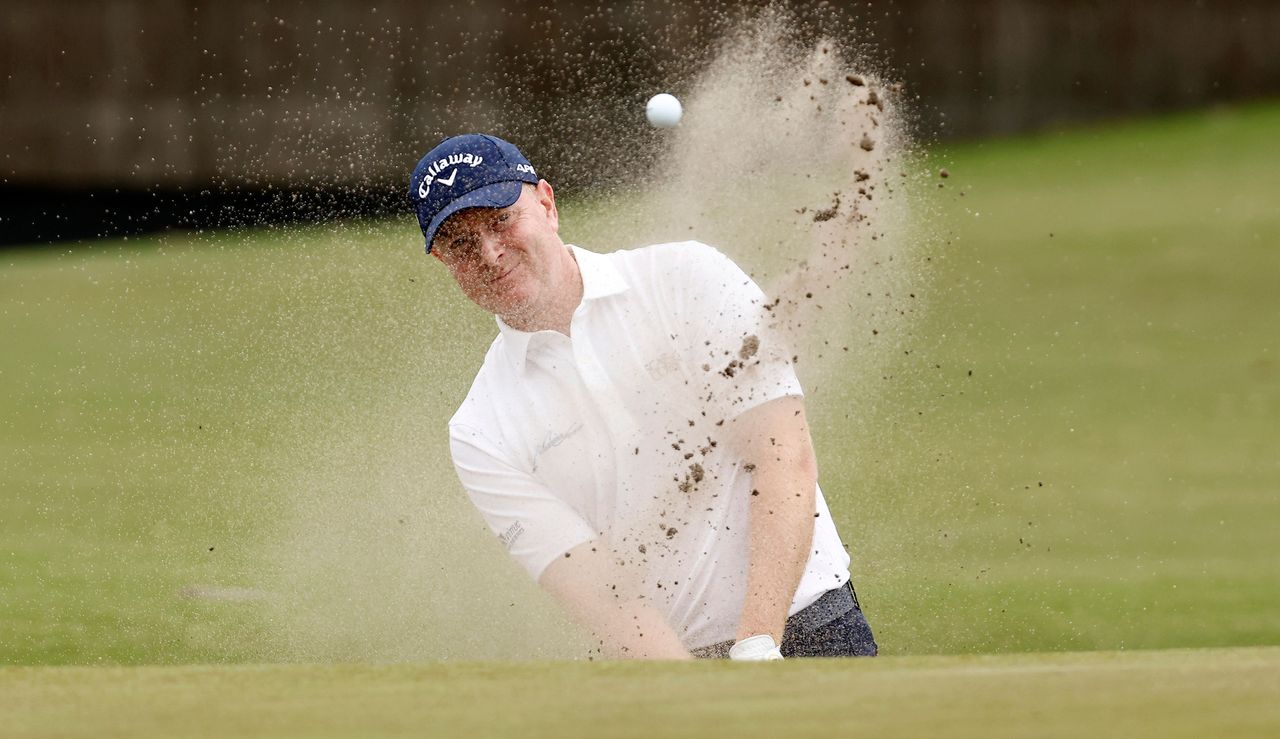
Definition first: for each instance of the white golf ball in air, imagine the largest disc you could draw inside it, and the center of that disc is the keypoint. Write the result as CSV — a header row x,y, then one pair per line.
x,y
663,110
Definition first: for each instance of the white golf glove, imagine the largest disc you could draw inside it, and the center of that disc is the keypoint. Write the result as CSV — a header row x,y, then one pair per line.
x,y
756,648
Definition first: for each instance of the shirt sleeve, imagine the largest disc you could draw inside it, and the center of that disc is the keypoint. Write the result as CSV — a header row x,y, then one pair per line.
x,y
534,525
738,357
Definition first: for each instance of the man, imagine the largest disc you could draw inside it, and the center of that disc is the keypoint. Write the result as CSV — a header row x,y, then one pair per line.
x,y
636,437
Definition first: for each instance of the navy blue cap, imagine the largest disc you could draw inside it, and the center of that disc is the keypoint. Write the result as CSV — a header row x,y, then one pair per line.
x,y
468,171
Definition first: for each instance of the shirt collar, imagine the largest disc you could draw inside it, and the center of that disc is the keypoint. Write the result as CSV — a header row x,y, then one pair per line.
x,y
600,279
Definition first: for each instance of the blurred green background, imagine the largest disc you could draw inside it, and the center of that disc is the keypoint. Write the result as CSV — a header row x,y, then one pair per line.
x,y
230,446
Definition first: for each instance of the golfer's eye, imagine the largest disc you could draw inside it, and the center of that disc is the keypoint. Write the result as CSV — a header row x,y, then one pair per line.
x,y
458,247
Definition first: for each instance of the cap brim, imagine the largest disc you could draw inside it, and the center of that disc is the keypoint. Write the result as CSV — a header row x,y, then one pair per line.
x,y
497,195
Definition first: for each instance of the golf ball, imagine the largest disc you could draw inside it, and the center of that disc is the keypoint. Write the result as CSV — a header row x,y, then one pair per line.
x,y
663,110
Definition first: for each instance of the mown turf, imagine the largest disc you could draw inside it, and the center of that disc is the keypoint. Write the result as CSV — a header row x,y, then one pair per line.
x,y
230,447
1111,462
1178,693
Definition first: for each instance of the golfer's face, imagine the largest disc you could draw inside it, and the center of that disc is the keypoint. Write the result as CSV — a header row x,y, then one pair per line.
x,y
502,257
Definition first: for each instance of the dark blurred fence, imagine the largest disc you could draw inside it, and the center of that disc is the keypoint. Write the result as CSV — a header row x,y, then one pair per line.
x,y
310,96
1002,66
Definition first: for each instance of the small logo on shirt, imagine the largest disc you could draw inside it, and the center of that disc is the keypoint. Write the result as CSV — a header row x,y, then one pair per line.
x,y
663,364
512,533
552,440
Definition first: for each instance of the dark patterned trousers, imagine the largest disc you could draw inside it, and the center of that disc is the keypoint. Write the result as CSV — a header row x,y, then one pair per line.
x,y
832,626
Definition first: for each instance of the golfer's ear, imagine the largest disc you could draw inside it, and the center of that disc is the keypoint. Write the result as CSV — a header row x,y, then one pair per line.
x,y
547,199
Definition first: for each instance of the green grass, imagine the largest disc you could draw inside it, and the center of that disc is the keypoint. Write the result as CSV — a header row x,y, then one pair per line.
x,y
1179,693
265,410
1108,475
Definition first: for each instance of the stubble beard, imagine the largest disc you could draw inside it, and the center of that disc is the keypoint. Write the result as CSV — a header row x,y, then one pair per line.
x,y
540,310
510,302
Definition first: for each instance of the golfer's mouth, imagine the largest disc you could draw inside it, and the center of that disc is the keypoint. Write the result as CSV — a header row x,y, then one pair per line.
x,y
503,276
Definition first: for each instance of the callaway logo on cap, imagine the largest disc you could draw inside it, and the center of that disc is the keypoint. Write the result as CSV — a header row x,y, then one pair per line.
x,y
468,171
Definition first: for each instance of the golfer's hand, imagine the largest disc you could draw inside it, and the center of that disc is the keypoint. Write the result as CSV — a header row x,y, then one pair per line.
x,y
756,648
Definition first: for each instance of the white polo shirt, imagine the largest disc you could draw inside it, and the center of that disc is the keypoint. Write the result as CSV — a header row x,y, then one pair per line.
x,y
613,433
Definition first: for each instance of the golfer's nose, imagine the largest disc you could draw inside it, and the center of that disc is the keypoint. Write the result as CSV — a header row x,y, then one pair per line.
x,y
492,249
